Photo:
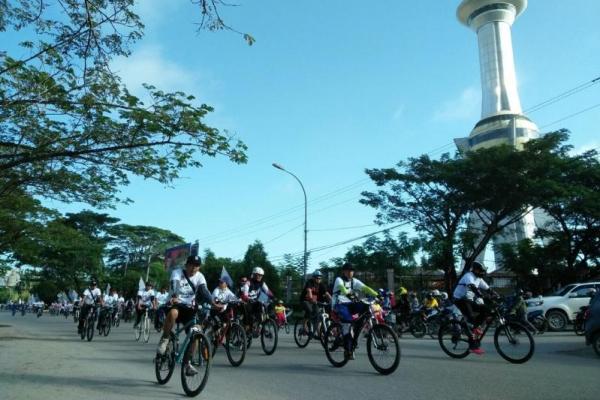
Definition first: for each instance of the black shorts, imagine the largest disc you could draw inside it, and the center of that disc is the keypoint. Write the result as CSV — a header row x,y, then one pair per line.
x,y
185,313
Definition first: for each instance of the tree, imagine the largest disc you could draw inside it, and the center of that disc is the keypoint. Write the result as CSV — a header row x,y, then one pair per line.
x,y
420,192
69,128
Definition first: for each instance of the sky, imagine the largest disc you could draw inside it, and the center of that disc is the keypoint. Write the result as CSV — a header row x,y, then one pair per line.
x,y
331,88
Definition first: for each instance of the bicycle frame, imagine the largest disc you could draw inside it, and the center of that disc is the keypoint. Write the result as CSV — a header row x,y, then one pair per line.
x,y
191,325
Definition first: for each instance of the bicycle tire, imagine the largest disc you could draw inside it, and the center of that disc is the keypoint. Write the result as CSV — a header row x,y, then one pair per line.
x,y
137,332
167,360
90,328
334,348
376,341
200,359
433,329
301,337
107,325
146,327
268,332
235,341
453,339
117,321
418,328
287,328
83,330
579,328
511,329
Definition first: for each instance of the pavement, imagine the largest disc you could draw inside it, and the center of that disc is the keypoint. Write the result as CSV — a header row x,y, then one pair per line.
x,y
45,359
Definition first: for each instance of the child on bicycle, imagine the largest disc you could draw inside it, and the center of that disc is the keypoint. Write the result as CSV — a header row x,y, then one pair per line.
x,y
280,316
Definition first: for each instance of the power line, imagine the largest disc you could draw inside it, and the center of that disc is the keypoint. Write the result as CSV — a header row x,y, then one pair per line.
x,y
571,115
563,95
342,228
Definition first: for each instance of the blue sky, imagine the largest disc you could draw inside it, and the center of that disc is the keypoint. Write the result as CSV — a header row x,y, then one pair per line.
x,y
331,88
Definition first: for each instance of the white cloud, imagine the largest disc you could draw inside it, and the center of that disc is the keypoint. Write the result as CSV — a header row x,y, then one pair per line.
x,y
149,65
594,145
465,107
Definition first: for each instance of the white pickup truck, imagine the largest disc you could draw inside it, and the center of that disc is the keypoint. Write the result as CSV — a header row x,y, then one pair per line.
x,y
561,308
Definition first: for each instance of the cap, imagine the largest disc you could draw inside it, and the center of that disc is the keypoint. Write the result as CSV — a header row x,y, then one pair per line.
x,y
347,267
195,260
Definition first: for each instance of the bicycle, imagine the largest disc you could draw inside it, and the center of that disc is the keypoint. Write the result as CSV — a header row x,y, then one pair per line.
x,y
116,319
266,329
143,328
104,322
228,333
88,324
380,338
509,335
194,351
304,330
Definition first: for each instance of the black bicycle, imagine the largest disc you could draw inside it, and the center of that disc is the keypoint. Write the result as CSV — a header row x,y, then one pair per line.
x,y
383,348
88,324
512,340
265,328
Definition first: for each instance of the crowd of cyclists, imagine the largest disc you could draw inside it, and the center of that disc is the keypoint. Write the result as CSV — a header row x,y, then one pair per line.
x,y
336,314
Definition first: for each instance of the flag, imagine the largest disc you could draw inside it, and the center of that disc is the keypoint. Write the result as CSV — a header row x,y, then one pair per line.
x,y
141,285
226,277
107,288
73,295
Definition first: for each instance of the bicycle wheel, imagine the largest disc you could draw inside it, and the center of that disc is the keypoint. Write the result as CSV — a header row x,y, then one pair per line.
x,y
418,328
106,324
137,332
83,330
235,344
165,365
146,325
302,335
117,321
453,339
196,356
578,328
383,349
269,336
287,328
514,342
433,328
334,348
90,328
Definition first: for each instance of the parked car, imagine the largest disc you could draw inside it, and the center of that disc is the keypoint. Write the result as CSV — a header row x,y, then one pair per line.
x,y
592,325
562,307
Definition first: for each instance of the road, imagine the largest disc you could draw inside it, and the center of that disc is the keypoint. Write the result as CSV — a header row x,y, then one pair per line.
x,y
45,359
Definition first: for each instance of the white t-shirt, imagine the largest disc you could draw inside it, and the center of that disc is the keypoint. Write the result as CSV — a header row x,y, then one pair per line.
x,y
223,296
462,290
111,300
255,290
182,289
146,297
89,296
162,298
121,300
352,286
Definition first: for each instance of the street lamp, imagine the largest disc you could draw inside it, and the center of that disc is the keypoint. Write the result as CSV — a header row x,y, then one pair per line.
x,y
278,166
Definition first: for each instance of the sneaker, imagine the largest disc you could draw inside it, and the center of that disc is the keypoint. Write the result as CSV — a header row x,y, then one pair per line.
x,y
162,346
479,351
349,355
190,371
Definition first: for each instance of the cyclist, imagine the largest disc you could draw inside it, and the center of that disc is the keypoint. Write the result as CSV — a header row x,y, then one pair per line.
x,y
430,304
251,293
186,285
145,299
280,313
345,289
315,291
468,298
111,303
90,297
160,304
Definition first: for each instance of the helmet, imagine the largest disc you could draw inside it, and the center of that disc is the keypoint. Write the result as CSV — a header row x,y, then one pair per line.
x,y
402,291
592,292
479,301
280,302
381,291
435,292
478,268
194,260
258,271
444,296
347,267
317,274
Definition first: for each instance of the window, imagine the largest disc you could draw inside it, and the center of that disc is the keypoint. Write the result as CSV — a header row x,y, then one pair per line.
x,y
583,290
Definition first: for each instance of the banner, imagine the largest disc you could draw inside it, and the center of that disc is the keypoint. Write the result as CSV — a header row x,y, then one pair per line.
x,y
141,285
175,256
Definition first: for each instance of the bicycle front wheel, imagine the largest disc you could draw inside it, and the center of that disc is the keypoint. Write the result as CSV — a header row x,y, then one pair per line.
x,y
269,337
146,326
453,339
334,345
90,329
302,334
383,349
196,365
137,332
418,327
235,344
106,324
164,365
514,342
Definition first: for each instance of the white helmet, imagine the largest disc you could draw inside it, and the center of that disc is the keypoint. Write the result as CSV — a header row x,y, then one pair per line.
x,y
479,301
258,270
436,293
444,296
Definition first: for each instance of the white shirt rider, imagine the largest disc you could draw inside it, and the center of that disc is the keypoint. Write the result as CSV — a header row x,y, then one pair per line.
x,y
352,286
224,296
90,296
146,297
162,298
463,290
181,288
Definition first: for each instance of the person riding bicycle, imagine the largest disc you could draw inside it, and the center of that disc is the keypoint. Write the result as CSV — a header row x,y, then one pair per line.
x,y
345,290
160,304
111,302
430,304
222,295
188,288
253,293
91,296
145,300
315,291
280,316
468,298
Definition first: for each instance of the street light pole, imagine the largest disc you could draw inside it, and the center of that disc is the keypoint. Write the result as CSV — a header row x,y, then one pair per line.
x,y
278,166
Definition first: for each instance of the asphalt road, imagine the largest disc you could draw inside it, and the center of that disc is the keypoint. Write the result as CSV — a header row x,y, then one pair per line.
x,y
45,359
